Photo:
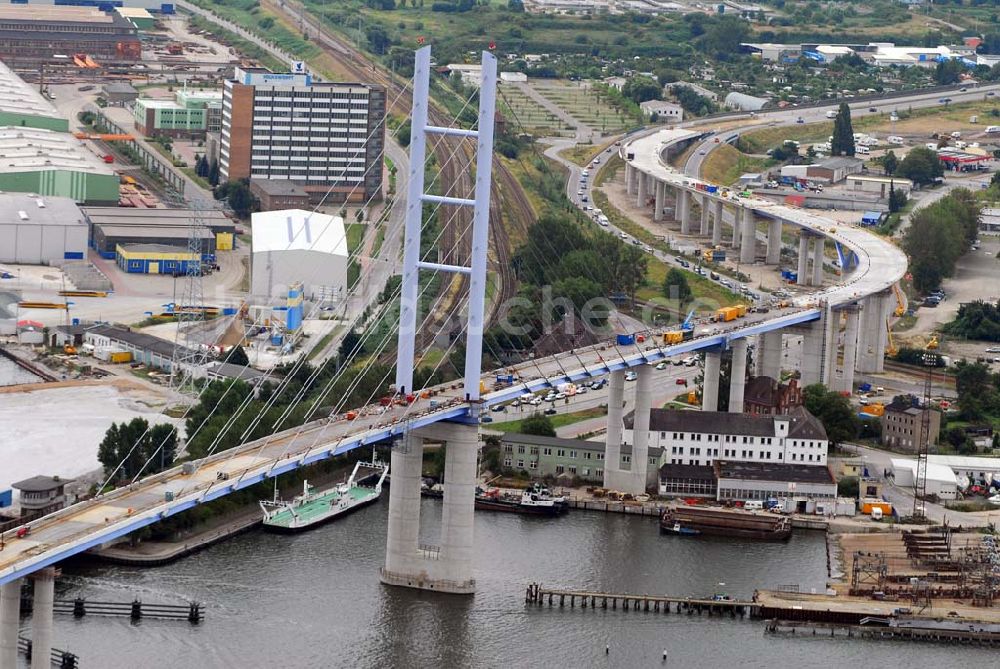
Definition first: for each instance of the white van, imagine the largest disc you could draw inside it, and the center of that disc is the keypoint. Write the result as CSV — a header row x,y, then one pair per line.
x,y
862,150
992,128
753,505
831,114
895,139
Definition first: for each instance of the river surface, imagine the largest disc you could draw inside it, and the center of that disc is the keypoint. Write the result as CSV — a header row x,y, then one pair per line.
x,y
12,375
313,600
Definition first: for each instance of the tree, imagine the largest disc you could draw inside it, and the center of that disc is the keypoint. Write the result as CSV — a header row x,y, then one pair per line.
x,y
897,198
833,410
515,5
921,166
127,447
239,197
538,424
237,356
842,143
675,287
848,487
890,163
641,89
948,72
213,173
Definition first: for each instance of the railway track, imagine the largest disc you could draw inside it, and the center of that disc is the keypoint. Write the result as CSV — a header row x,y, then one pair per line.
x,y
509,205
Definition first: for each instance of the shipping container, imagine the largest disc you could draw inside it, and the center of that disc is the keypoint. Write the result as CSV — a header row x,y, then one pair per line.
x,y
120,357
625,339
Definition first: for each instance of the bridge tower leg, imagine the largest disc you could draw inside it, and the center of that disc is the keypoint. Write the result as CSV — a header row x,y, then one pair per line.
x,y
819,246
448,569
613,435
632,480
401,545
10,619
850,349
41,618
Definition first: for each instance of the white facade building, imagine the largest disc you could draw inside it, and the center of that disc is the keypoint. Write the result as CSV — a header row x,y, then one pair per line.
x,y
668,112
294,245
41,230
941,480
702,437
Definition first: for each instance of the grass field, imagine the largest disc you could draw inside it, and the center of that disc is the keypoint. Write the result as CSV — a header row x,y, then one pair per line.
x,y
725,164
526,115
582,154
759,141
585,105
558,420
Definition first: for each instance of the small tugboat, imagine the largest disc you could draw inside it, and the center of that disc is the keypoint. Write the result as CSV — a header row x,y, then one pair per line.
x,y
529,503
313,507
679,530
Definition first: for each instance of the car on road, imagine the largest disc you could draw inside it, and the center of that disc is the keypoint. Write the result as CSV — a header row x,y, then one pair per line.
x,y
681,382
872,109
623,235
487,419
551,411
963,89
535,401
630,376
500,408
702,152
726,282
661,366
580,192
991,93
800,120
993,349
691,360
560,396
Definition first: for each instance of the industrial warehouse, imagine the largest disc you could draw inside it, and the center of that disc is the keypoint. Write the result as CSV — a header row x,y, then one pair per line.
x,y
41,231
295,245
39,33
114,227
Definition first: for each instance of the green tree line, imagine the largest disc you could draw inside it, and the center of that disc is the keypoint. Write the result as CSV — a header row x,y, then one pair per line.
x,y
938,236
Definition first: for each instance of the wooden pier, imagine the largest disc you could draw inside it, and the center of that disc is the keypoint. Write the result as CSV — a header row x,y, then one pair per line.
x,y
136,610
971,637
539,596
60,658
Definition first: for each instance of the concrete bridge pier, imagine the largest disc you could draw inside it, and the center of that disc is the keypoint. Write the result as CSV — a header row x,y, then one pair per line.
x,y
819,341
738,375
768,359
734,243
613,436
41,618
748,236
630,178
717,224
685,211
803,276
850,349
710,386
661,189
866,336
774,242
447,568
10,620
642,190
819,246
633,480
705,203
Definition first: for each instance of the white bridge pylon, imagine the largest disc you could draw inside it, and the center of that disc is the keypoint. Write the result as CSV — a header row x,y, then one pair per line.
x,y
448,567
416,197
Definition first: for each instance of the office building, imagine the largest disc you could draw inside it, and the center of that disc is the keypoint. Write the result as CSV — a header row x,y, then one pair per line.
x,y
191,113
566,459
326,137
902,427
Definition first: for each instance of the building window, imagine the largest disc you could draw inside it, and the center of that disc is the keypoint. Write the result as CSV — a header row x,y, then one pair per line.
x,y
547,451
561,453
572,454
599,472
626,458
587,455
585,472
560,469
572,469
533,464
506,462
520,449
508,448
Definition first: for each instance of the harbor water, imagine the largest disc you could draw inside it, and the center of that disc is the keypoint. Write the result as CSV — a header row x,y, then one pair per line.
x,y
314,600
12,375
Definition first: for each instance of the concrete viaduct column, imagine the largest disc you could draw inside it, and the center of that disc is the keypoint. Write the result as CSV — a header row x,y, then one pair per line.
x,y
866,336
705,204
41,618
819,246
717,223
710,386
774,242
735,241
738,376
882,310
613,436
630,173
818,343
803,278
850,349
748,236
401,556
685,209
661,189
10,616
640,200
769,351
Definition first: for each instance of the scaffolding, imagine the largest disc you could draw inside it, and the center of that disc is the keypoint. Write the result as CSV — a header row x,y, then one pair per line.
x,y
869,574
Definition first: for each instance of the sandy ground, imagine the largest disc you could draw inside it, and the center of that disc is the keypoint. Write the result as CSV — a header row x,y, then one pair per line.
x,y
55,429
